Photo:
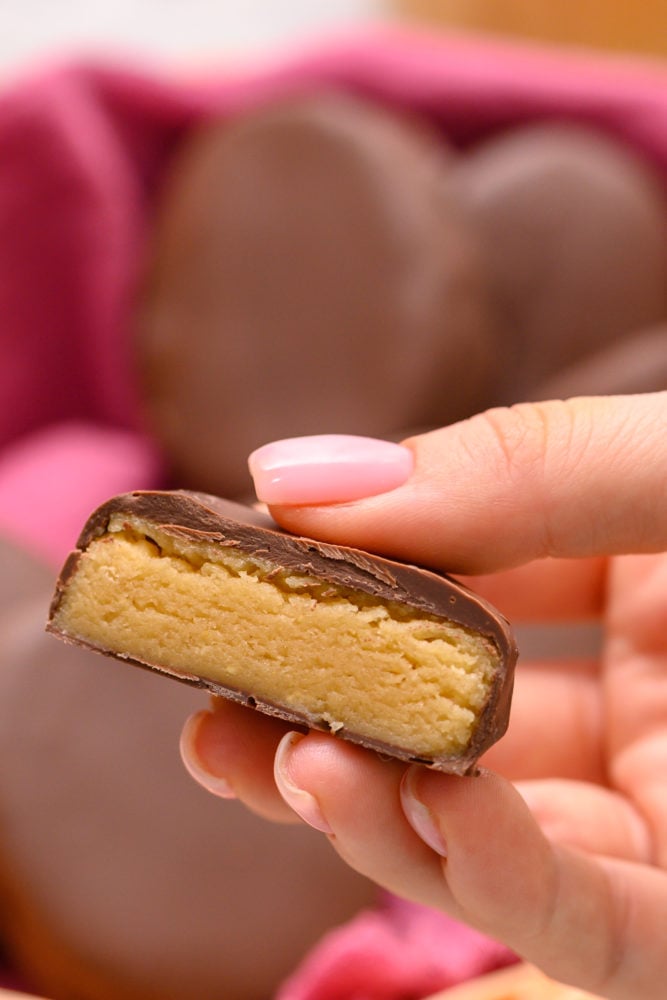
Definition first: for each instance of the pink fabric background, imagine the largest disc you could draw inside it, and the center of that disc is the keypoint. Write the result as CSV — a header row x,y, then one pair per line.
x,y
82,149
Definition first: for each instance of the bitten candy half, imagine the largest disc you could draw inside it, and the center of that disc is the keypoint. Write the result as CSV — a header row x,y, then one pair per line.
x,y
396,658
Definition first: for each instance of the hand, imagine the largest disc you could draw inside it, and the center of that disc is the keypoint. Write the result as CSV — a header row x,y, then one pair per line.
x,y
559,848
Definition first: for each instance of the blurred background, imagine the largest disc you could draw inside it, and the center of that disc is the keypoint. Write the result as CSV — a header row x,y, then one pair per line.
x,y
172,29
77,198
185,30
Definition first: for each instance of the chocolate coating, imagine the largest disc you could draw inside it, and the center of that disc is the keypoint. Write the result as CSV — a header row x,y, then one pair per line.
x,y
203,518
309,273
574,229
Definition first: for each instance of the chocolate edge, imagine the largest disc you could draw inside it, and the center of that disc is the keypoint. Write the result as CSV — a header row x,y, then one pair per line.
x,y
461,764
202,517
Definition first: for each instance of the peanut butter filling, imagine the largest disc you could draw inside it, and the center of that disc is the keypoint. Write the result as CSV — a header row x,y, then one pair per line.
x,y
339,656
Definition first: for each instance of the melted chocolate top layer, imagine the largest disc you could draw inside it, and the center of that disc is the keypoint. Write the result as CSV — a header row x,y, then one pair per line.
x,y
201,517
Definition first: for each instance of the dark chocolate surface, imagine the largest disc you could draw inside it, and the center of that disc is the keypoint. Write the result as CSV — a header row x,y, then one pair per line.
x,y
574,230
310,268
203,518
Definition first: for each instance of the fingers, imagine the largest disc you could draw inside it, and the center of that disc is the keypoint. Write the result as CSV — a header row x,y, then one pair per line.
x,y
589,817
566,742
636,687
547,590
230,752
472,847
469,846
583,920
578,478
354,796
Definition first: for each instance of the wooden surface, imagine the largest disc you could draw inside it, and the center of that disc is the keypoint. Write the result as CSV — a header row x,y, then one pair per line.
x,y
519,982
11,995
619,25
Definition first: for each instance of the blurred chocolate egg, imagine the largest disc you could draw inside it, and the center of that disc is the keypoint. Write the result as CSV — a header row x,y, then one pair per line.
x,y
574,227
310,273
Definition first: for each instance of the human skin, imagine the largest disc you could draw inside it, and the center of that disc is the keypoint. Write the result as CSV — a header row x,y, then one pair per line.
x,y
559,847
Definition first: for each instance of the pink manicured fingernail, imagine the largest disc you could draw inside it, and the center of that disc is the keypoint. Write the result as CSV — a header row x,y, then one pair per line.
x,y
418,815
328,468
303,803
213,783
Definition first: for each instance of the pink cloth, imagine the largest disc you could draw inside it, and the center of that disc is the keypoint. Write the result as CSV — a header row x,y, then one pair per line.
x,y
399,952
52,479
82,151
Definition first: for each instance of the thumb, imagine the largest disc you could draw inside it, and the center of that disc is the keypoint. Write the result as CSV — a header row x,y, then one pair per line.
x,y
581,477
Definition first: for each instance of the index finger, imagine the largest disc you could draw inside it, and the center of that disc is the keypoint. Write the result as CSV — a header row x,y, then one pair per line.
x,y
575,478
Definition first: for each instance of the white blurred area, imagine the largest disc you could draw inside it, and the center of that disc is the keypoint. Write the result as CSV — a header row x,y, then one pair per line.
x,y
172,32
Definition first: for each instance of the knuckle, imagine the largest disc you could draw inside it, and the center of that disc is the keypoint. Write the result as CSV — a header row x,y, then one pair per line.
x,y
518,434
532,448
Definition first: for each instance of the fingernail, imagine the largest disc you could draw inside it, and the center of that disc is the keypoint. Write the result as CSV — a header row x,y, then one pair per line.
x,y
303,803
213,783
328,468
418,815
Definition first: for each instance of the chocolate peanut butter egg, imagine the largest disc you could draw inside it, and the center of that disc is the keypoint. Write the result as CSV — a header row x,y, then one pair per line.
x,y
634,363
396,658
574,229
309,273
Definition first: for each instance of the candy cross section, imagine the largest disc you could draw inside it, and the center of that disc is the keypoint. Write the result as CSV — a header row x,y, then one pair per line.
x,y
396,658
